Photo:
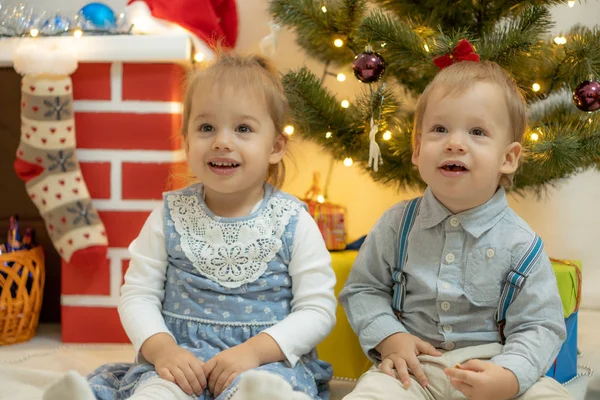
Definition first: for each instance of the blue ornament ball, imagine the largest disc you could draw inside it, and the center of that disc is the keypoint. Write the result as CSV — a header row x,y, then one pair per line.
x,y
99,14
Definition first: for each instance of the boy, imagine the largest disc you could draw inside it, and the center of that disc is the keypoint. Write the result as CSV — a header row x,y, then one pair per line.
x,y
438,283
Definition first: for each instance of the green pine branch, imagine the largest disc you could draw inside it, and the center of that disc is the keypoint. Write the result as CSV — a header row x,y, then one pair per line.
x,y
403,49
479,17
516,43
581,56
568,142
559,67
317,30
315,111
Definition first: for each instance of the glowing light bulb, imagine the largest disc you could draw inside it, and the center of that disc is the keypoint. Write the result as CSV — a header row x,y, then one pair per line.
x,y
536,87
535,137
78,33
560,40
321,199
571,3
341,77
345,103
426,47
34,32
387,135
289,130
348,162
328,135
324,9
338,42
198,57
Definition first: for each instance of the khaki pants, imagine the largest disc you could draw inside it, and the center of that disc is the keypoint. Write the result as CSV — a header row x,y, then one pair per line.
x,y
375,385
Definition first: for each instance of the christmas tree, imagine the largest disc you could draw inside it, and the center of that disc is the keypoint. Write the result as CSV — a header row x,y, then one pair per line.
x,y
392,46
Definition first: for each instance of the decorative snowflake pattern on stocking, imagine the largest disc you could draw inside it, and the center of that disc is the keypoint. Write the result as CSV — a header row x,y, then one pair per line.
x,y
83,212
61,160
57,108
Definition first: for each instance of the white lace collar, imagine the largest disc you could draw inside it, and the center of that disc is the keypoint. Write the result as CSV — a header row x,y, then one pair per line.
x,y
230,251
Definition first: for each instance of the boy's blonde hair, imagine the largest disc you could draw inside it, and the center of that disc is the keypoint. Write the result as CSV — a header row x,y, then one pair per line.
x,y
244,73
458,78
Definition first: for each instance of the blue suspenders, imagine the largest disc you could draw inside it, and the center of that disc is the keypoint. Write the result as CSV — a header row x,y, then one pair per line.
x,y
514,280
408,220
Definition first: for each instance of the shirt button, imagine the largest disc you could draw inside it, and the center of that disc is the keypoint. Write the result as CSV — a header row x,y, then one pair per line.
x,y
447,328
449,345
449,258
490,253
454,222
445,305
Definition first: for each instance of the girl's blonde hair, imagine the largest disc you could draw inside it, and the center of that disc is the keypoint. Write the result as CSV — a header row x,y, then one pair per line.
x,y
460,77
245,73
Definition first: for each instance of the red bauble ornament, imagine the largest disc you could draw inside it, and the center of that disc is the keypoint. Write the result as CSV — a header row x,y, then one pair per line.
x,y
368,66
586,96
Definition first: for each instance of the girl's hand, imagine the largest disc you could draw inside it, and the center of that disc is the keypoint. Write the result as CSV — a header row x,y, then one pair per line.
x,y
175,364
223,368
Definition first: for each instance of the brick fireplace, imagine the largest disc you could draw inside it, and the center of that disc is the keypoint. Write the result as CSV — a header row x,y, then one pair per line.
x,y
127,119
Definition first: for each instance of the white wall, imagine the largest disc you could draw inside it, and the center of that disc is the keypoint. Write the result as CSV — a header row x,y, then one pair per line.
x,y
567,219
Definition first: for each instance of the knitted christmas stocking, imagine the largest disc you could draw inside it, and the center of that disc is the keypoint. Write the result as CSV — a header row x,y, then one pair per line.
x,y
46,158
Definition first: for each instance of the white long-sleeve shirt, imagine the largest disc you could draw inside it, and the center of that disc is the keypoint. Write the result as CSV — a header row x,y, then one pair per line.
x,y
313,305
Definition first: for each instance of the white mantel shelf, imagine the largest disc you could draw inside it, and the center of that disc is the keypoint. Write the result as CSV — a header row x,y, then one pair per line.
x,y
123,48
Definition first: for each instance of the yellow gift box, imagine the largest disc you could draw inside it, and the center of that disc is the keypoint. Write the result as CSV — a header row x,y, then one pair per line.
x,y
341,348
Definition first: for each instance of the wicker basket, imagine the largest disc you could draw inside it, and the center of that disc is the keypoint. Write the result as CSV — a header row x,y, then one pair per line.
x,y
21,290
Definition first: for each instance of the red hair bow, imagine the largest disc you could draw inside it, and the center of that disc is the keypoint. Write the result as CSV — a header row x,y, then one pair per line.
x,y
462,52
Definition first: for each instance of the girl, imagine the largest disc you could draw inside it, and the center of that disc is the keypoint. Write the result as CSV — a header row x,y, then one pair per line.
x,y
229,275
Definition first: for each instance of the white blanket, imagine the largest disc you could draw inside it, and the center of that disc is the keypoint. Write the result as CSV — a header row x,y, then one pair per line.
x,y
18,383
28,369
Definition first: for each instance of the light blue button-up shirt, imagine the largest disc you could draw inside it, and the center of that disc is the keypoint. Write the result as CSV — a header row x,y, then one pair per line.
x,y
455,271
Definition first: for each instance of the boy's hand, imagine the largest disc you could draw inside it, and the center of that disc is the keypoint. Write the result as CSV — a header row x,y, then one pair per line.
x,y
174,363
399,351
223,368
483,380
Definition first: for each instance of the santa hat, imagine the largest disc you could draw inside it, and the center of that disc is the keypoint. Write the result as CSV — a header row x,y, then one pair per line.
x,y
208,20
